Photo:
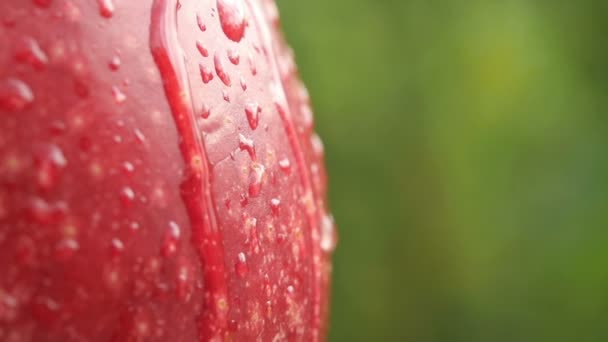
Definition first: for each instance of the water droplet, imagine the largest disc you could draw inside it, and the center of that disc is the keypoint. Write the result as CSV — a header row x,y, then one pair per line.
x,y
119,96
15,95
66,248
329,235
116,248
127,197
285,165
49,163
317,145
201,23
141,138
275,203
252,110
205,111
128,167
256,177
29,51
183,289
115,63
240,266
106,8
225,95
243,84
232,18
206,74
246,144
233,56
171,240
134,226
202,49
40,211
58,127
220,70
252,67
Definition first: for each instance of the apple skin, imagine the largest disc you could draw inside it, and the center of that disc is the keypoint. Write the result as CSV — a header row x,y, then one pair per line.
x,y
160,178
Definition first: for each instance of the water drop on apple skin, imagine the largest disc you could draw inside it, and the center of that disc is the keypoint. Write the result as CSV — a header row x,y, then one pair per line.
x,y
205,111
328,234
232,18
114,63
252,111
206,74
127,197
275,204
220,70
106,8
256,177
201,23
233,56
28,51
246,144
49,164
171,240
118,95
240,266
42,212
202,49
15,95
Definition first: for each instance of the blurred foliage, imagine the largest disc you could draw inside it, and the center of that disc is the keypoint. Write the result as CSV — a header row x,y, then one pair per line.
x,y
467,147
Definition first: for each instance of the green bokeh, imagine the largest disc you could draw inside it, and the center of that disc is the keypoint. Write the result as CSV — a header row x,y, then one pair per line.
x,y
467,147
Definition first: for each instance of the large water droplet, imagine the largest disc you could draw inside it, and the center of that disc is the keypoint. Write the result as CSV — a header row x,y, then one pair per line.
x,y
106,8
240,266
252,110
256,176
15,95
206,74
29,51
246,144
232,18
220,70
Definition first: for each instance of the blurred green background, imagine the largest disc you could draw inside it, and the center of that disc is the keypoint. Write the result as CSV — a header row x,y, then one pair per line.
x,y
467,146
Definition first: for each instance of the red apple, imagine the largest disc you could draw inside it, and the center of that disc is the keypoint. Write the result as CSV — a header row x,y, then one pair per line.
x,y
160,179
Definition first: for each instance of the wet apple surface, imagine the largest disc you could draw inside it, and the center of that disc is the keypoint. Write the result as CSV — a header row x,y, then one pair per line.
x,y
160,178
